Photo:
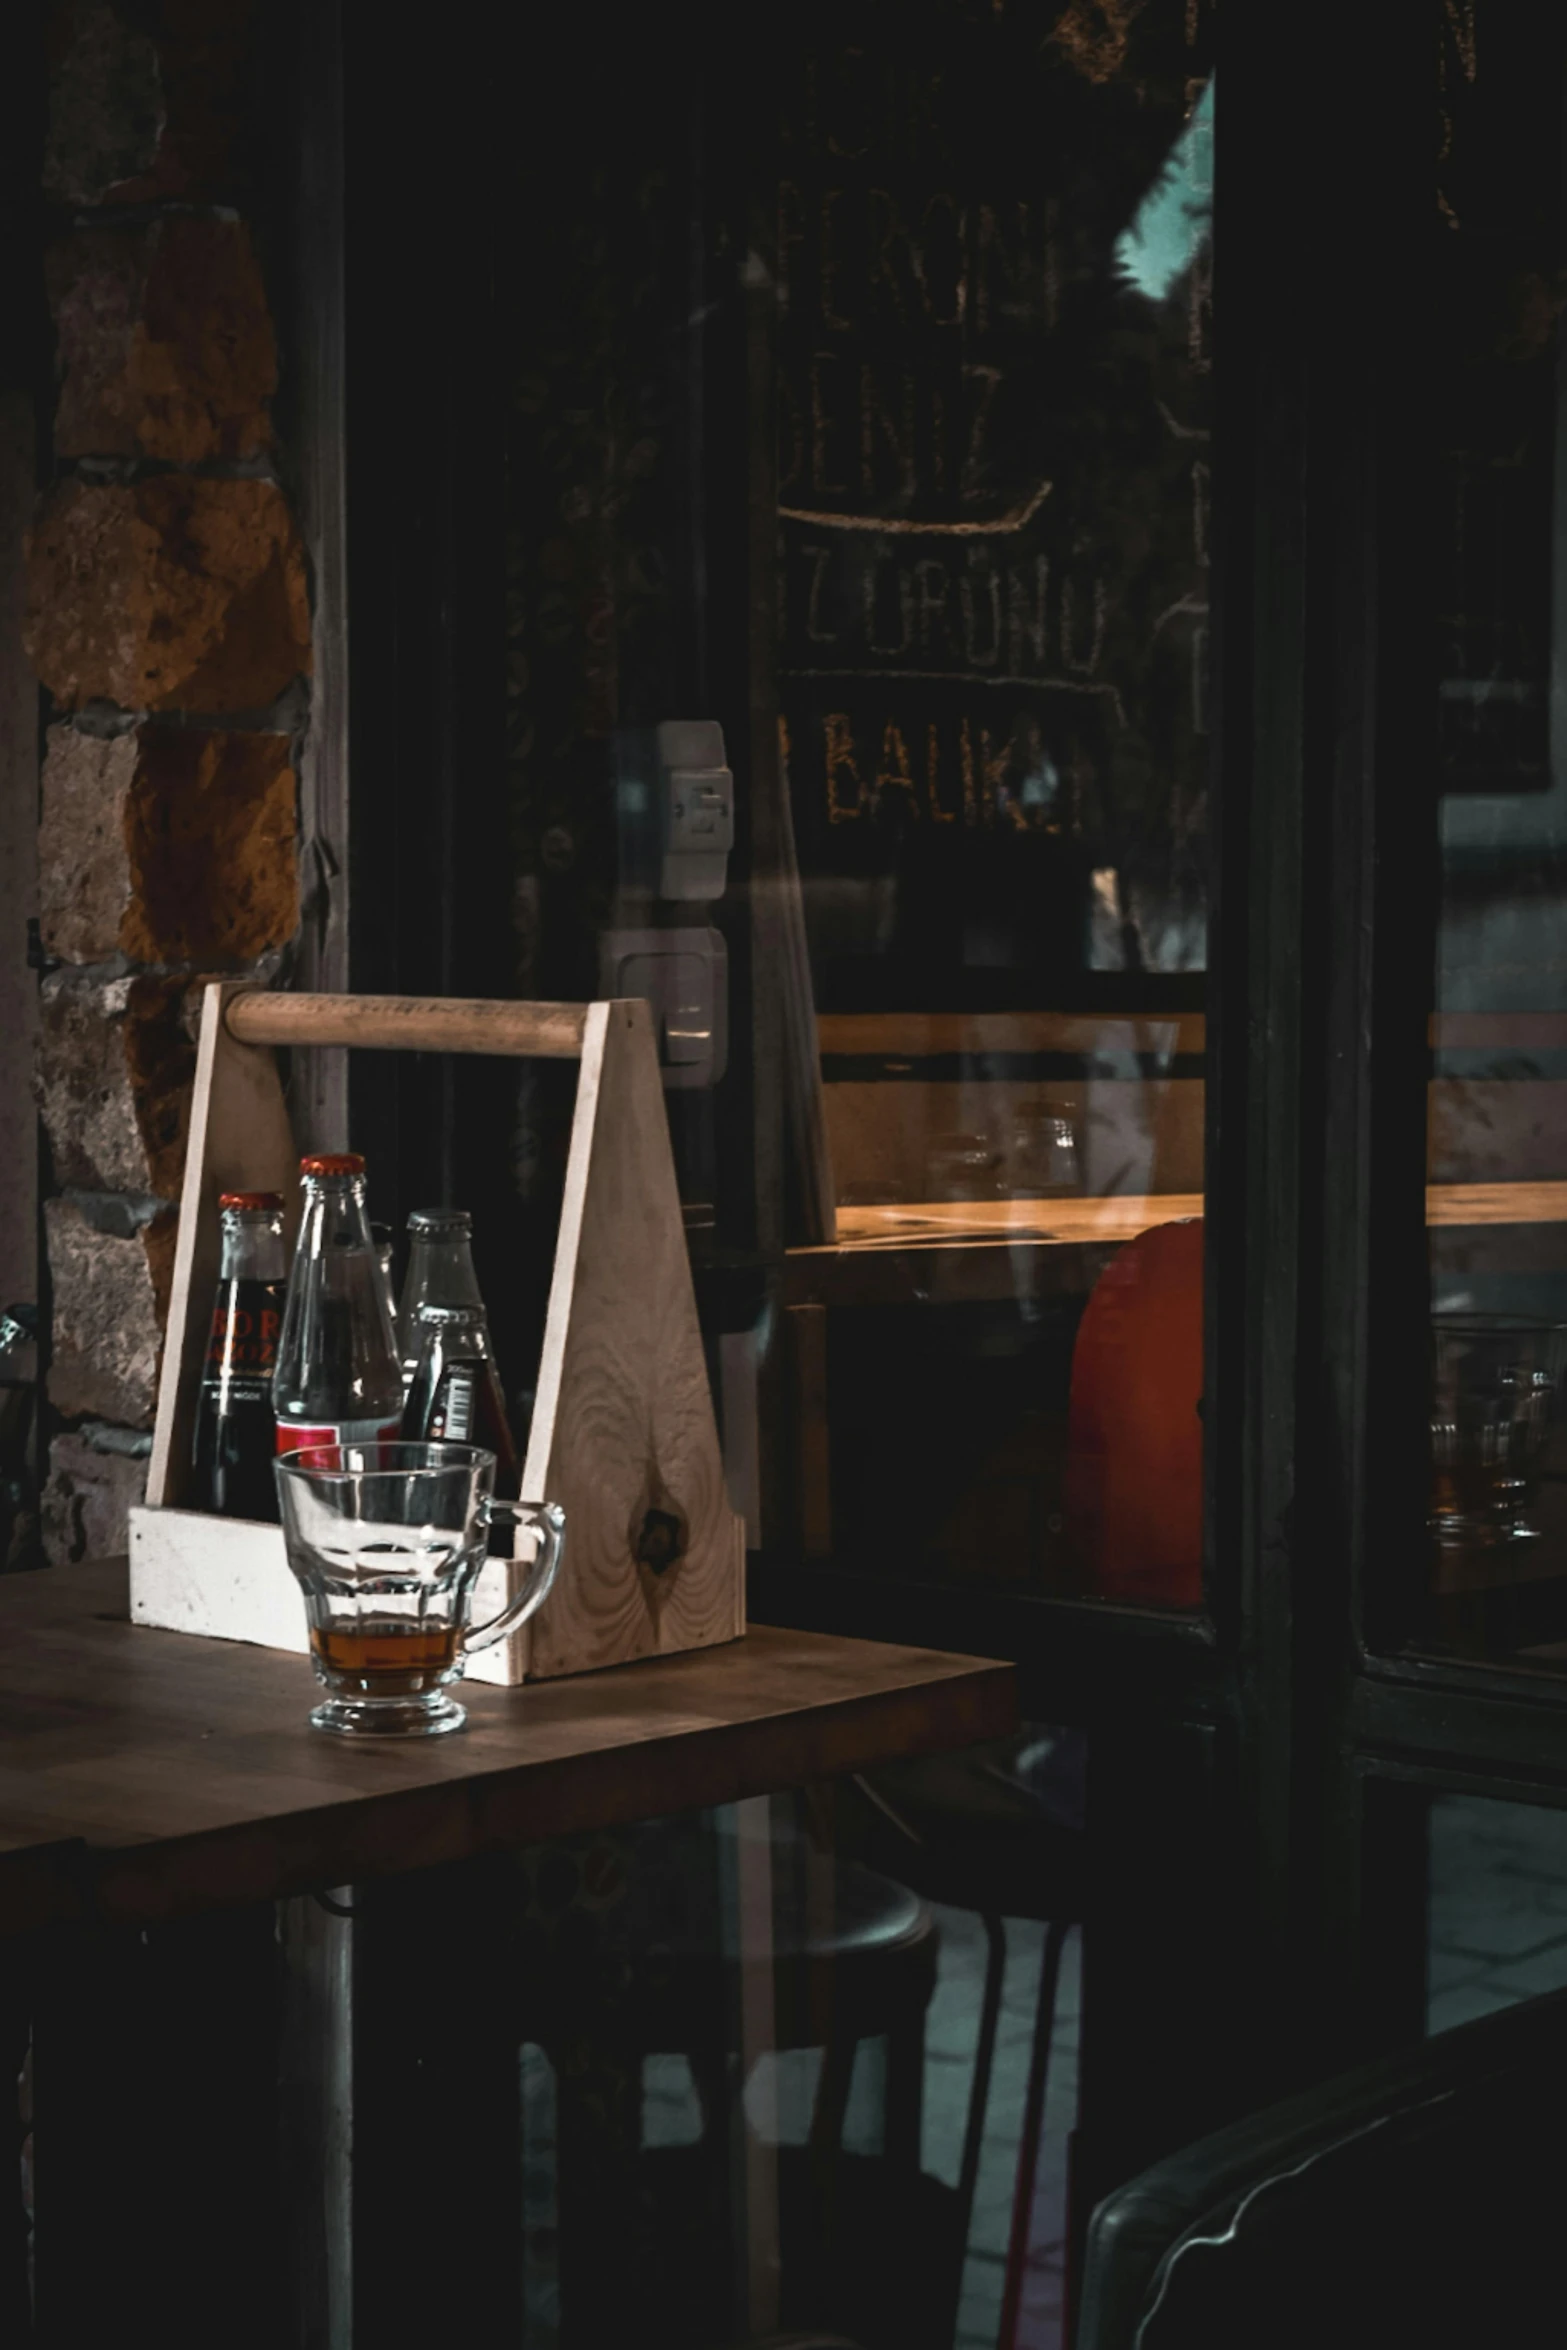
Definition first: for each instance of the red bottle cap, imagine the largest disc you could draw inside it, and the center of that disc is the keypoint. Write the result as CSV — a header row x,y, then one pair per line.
x,y
250,1199
333,1163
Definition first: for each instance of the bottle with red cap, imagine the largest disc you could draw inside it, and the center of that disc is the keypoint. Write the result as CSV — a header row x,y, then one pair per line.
x,y
234,1440
337,1379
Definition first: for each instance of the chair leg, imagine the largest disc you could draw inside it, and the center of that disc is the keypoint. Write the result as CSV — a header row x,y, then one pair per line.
x,y
831,2101
1033,2120
984,2060
905,2090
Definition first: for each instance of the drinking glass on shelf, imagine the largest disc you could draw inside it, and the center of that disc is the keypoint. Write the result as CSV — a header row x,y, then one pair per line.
x,y
1495,1383
961,1167
387,1542
1042,1160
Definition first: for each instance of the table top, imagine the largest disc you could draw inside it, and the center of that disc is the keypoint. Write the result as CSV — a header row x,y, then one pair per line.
x,y
151,1774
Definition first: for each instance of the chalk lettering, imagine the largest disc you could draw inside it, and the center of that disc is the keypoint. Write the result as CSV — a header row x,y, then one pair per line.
x,y
939,269
820,558
896,432
838,737
1026,617
903,588
882,229
930,593
938,814
1085,665
980,580
984,381
895,773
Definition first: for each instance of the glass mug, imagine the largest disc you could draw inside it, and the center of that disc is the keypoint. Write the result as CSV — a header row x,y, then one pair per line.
x,y
387,1541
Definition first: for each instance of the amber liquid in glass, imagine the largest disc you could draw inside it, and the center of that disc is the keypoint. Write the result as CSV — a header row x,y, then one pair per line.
x,y
387,1660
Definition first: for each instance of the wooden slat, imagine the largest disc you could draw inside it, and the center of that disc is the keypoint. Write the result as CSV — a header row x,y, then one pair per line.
x,y
412,1024
1496,1203
239,1140
189,1774
1493,1031
923,1035
1000,1223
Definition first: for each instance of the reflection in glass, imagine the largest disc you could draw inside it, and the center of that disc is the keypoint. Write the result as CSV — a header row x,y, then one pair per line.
x,y
1497,1127
1495,1389
994,397
1497,1917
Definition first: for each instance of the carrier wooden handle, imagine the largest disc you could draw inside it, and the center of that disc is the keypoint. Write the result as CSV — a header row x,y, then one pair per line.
x,y
408,1023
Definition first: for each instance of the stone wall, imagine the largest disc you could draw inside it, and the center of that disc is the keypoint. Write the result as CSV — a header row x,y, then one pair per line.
x,y
168,620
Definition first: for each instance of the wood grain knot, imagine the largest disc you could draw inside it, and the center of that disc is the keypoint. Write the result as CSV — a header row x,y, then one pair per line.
x,y
661,1541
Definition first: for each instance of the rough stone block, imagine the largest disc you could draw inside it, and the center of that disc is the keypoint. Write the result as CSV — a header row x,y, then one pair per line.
x,y
146,101
114,1074
210,833
165,341
168,845
170,593
111,1294
85,1500
106,110
84,871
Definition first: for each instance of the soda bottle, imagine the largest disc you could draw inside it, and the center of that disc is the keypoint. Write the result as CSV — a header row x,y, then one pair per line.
x,y
234,1441
456,1393
440,1273
337,1380
381,1237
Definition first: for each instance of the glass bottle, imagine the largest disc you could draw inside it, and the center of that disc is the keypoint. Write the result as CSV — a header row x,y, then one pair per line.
x,y
440,1273
456,1395
381,1235
235,1438
337,1379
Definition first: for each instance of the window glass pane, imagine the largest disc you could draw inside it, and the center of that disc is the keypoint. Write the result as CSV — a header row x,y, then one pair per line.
x,y
1497,1204
1497,1922
994,398
913,501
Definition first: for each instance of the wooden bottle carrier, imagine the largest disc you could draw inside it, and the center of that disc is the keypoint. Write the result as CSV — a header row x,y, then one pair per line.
x,y
623,1435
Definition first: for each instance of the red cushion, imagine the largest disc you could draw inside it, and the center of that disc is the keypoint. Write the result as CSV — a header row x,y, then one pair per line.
x,y
1134,1450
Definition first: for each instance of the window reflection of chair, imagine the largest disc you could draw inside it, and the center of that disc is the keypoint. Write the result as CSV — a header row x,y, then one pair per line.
x,y
853,1960
997,1830
1416,2200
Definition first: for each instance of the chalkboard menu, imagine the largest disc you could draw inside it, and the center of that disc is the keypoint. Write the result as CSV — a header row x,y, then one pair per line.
x,y
994,370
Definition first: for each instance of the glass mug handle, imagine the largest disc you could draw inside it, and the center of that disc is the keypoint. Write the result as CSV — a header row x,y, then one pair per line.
x,y
550,1519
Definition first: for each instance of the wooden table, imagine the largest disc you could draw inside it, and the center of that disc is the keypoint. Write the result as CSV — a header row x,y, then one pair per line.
x,y
147,1775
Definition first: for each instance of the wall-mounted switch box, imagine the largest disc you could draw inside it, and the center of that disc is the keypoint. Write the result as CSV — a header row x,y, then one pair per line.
x,y
684,976
676,800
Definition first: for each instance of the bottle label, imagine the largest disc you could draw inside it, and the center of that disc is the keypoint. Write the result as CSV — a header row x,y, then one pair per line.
x,y
294,1436
452,1418
242,1343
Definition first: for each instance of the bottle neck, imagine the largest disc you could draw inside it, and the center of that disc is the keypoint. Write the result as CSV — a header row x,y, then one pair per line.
x,y
253,1248
440,1272
334,1214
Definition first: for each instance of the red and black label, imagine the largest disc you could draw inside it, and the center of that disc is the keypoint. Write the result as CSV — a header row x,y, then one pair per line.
x,y
247,1319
